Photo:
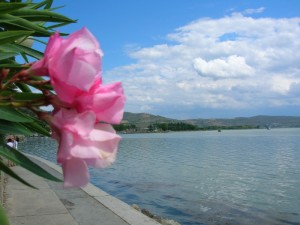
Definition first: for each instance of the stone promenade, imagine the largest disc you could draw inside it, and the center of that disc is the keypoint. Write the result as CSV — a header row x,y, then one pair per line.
x,y
51,204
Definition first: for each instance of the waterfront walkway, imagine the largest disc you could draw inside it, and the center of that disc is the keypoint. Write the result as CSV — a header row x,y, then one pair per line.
x,y
51,204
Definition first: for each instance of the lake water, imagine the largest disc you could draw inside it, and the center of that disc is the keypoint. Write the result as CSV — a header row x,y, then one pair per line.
x,y
229,177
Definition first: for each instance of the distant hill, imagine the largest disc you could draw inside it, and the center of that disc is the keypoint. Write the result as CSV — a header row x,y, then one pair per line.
x,y
260,121
142,120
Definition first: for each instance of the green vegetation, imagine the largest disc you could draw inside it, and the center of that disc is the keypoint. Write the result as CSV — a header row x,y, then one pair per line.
x,y
125,127
178,126
228,127
143,122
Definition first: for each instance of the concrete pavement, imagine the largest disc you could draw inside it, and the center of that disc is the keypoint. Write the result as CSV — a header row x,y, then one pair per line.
x,y
51,204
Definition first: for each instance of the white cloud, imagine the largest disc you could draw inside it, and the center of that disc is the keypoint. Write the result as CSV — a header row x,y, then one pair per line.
x,y
234,62
232,66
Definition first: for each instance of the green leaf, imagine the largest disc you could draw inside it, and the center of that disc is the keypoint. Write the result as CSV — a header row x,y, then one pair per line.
x,y
5,93
7,55
49,4
11,36
3,217
20,159
28,96
8,127
13,22
24,56
11,65
27,123
37,128
46,3
58,25
39,78
23,87
28,51
41,16
40,41
11,114
10,7
11,173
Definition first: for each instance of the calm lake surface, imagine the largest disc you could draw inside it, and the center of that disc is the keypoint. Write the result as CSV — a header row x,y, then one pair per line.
x,y
229,177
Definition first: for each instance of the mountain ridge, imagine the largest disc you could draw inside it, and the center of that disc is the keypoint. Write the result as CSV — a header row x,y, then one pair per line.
x,y
142,120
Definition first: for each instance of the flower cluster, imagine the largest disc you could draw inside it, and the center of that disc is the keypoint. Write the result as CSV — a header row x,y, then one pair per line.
x,y
84,106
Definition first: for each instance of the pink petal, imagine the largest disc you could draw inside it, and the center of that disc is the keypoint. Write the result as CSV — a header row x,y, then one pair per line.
x,y
83,38
40,68
66,142
100,149
81,124
75,173
77,123
107,101
78,68
65,92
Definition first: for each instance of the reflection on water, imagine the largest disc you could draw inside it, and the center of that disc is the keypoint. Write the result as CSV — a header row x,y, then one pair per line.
x,y
232,177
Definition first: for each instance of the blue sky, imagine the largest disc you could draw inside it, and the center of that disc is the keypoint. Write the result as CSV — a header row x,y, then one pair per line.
x,y
198,58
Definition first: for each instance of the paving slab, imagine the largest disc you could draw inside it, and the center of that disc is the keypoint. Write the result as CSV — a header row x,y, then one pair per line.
x,y
20,202
52,204
57,219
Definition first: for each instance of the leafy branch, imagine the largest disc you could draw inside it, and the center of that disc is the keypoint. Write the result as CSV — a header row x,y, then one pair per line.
x,y
22,24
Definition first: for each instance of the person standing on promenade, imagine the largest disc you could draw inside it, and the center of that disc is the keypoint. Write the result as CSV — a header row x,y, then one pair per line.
x,y
16,142
10,143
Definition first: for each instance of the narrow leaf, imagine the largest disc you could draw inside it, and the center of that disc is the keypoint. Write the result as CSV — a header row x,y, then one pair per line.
x,y
10,7
29,51
46,3
11,173
58,25
7,55
24,57
13,128
40,41
27,96
11,114
23,87
37,128
13,22
41,16
11,36
10,65
39,78
49,4
22,160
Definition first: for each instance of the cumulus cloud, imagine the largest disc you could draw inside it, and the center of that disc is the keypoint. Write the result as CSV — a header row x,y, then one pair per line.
x,y
233,62
232,66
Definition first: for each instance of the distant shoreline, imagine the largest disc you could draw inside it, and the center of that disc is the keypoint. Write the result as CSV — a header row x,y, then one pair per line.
x,y
217,130
147,123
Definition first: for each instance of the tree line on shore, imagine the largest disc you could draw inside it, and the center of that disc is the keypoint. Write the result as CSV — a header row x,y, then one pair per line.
x,y
175,126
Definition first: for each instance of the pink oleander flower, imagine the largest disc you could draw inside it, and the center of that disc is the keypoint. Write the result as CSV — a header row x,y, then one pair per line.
x,y
82,143
74,67
73,64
